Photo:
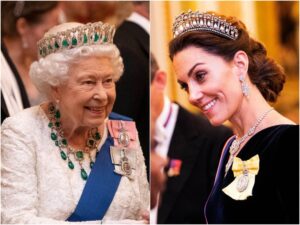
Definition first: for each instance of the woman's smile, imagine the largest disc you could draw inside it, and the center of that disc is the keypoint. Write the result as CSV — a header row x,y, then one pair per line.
x,y
207,107
95,109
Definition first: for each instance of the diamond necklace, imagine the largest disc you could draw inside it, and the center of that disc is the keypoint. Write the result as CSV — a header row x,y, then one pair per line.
x,y
61,142
235,146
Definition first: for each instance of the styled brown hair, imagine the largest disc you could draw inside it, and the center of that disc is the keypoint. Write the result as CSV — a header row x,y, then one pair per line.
x,y
263,71
32,11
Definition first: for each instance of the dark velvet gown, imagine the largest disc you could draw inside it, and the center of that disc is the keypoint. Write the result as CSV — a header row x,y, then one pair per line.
x,y
275,195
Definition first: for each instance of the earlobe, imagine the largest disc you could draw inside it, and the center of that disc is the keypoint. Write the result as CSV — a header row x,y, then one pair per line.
x,y
161,79
55,93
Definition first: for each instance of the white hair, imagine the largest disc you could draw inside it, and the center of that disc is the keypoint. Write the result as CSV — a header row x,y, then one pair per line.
x,y
52,71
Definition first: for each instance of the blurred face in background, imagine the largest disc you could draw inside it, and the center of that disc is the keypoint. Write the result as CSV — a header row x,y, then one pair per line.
x,y
31,33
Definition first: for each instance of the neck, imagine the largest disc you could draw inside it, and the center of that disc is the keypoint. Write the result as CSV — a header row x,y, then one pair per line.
x,y
17,54
75,135
249,112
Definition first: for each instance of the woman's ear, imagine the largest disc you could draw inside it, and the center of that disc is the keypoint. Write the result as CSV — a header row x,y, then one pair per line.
x,y
241,62
22,26
160,79
55,93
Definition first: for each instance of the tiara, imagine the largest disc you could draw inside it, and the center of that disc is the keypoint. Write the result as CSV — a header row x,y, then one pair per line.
x,y
89,34
192,21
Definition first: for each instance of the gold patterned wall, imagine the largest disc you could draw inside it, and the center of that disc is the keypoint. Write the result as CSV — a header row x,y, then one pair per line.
x,y
274,23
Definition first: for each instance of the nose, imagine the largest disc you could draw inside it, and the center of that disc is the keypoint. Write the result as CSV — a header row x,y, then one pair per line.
x,y
100,92
195,93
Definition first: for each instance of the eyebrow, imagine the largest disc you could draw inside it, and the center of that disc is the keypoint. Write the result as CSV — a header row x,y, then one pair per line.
x,y
192,69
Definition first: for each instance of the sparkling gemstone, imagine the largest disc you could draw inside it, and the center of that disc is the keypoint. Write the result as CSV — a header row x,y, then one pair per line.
x,y
91,164
65,43
96,38
64,141
50,124
85,39
97,136
104,39
91,142
74,41
57,124
84,175
79,155
63,155
56,45
57,114
51,108
70,165
53,136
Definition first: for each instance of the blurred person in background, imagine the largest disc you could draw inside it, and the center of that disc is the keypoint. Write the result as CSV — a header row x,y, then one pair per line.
x,y
132,38
192,146
23,23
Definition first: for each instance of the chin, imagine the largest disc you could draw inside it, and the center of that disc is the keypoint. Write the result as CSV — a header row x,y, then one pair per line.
x,y
216,121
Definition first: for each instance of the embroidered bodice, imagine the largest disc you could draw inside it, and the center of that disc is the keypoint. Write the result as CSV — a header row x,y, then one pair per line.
x,y
38,187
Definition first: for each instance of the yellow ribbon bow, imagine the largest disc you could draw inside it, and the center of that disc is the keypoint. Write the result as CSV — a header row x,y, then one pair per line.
x,y
251,165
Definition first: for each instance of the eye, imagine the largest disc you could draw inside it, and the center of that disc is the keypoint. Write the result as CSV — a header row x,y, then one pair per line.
x,y
88,82
109,80
183,86
199,76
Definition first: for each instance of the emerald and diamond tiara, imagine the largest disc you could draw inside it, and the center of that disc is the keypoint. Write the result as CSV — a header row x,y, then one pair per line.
x,y
88,34
193,21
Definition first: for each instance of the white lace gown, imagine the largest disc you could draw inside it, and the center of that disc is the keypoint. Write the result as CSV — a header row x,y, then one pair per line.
x,y
38,187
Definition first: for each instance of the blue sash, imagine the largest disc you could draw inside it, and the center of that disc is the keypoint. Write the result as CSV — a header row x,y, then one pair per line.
x,y
100,187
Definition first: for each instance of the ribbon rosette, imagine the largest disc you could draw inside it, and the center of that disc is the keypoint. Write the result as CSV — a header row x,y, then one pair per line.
x,y
244,173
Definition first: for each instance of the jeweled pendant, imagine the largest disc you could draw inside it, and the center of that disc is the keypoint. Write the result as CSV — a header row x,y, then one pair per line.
x,y
97,136
83,174
70,165
57,114
53,136
79,155
91,164
63,155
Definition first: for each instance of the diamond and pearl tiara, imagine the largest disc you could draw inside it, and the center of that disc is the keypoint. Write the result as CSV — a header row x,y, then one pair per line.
x,y
89,34
193,21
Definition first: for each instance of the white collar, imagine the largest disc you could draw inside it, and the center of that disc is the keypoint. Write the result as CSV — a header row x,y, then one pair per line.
x,y
140,20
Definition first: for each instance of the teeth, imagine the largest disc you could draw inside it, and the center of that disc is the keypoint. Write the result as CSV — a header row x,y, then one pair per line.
x,y
209,105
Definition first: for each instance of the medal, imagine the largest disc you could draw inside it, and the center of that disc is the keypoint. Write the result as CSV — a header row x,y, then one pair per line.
x,y
125,166
242,183
123,137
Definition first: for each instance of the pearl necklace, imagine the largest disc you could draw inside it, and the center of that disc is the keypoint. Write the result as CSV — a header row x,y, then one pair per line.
x,y
235,146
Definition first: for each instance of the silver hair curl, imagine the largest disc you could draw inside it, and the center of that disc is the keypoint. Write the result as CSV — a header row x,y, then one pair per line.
x,y
52,71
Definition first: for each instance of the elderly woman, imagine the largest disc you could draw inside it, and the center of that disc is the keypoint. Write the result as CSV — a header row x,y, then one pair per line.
x,y
71,159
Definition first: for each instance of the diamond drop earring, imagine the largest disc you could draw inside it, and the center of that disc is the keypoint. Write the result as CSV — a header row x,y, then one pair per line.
x,y
245,87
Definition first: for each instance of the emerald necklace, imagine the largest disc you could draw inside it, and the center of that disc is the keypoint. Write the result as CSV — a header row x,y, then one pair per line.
x,y
65,150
